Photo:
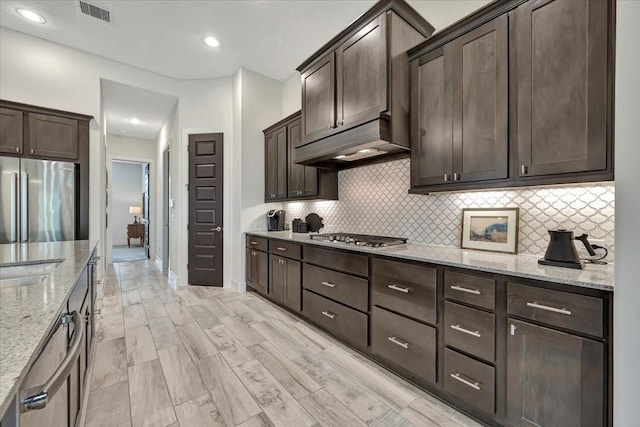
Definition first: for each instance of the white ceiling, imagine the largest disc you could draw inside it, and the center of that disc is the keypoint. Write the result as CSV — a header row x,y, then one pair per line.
x,y
270,37
122,103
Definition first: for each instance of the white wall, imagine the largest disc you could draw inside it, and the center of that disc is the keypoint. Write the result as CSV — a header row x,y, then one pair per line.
x,y
257,104
119,147
126,191
627,289
39,72
291,95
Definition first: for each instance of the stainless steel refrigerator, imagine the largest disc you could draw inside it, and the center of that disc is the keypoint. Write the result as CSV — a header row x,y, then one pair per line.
x,y
37,200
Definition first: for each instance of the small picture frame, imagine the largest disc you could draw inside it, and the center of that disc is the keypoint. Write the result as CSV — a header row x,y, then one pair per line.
x,y
490,229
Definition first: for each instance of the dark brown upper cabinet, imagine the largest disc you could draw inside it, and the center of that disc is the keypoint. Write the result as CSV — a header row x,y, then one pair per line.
x,y
319,100
516,94
361,75
11,131
53,136
276,164
553,378
561,71
303,180
460,109
287,180
355,89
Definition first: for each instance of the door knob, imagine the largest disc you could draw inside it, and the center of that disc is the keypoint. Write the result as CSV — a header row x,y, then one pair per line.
x,y
218,229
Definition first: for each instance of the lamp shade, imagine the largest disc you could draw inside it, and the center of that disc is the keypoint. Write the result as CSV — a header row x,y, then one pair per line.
x,y
135,210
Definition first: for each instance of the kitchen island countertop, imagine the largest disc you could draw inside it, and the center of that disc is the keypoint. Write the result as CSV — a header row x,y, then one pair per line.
x,y
524,266
30,310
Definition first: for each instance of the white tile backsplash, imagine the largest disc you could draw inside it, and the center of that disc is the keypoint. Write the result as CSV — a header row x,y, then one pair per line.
x,y
374,200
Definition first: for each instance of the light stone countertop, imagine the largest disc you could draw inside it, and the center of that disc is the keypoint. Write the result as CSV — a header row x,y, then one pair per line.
x,y
29,311
524,266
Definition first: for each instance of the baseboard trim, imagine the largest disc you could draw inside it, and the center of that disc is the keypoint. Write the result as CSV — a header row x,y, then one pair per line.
x,y
173,279
237,286
158,262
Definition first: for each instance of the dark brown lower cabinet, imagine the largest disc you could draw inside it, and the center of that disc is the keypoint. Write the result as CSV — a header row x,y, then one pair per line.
x,y
406,343
285,277
338,319
257,265
469,380
553,378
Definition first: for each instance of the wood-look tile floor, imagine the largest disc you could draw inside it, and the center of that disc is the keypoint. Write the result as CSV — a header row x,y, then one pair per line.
x,y
200,356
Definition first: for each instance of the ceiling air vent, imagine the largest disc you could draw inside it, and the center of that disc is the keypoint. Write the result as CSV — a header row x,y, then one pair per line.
x,y
95,11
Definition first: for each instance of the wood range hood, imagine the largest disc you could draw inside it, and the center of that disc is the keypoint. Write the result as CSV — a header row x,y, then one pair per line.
x,y
367,143
355,90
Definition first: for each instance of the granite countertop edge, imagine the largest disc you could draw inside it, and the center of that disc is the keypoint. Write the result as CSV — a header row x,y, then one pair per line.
x,y
15,376
529,263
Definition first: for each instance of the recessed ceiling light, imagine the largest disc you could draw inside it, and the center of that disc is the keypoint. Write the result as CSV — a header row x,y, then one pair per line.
x,y
31,15
135,121
211,41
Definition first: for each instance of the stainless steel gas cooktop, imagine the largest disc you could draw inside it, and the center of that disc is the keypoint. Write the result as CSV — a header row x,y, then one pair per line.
x,y
360,239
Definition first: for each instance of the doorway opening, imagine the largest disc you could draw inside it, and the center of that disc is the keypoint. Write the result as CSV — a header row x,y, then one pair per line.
x,y
130,210
166,207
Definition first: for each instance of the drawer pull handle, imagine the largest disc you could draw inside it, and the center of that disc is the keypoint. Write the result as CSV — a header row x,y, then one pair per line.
x,y
467,290
329,314
280,248
253,243
398,288
395,340
329,284
547,308
475,384
466,331
282,261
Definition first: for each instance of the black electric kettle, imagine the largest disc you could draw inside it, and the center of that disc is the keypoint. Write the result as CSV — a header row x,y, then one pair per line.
x,y
561,251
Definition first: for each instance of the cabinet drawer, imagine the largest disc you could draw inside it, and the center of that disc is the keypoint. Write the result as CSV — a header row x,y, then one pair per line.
x,y
406,343
258,243
336,318
576,312
470,380
406,288
474,290
335,260
285,249
470,330
349,290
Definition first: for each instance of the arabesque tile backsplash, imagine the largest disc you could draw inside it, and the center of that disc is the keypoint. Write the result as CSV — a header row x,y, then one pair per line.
x,y
374,200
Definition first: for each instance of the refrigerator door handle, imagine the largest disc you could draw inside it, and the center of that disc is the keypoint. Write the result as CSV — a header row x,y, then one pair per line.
x,y
14,207
25,206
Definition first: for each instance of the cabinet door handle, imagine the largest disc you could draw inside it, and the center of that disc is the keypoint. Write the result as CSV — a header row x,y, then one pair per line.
x,y
253,243
446,177
329,284
456,176
467,290
280,248
401,343
524,169
466,331
341,122
329,314
37,397
281,261
254,253
474,385
17,149
398,288
547,308
32,151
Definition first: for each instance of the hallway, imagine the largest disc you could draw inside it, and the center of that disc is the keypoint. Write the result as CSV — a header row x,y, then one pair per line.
x,y
215,357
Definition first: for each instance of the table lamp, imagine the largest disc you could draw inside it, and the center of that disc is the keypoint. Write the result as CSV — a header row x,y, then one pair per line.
x,y
135,211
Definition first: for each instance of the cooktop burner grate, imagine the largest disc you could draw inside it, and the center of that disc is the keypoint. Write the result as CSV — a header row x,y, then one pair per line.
x,y
360,239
